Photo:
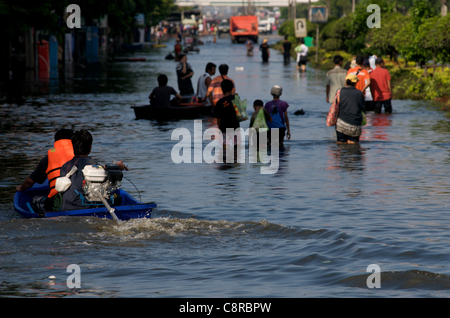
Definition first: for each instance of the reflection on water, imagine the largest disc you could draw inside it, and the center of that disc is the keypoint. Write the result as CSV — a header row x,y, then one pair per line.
x,y
346,157
379,124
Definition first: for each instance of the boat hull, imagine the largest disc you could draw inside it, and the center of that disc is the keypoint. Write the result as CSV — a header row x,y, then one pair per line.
x,y
129,209
184,111
129,59
132,47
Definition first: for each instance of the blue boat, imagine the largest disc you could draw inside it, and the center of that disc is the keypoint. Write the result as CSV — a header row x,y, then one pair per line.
x,y
130,208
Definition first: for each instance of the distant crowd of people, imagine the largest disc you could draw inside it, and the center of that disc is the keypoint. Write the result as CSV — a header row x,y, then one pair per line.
x,y
301,50
218,93
359,87
364,84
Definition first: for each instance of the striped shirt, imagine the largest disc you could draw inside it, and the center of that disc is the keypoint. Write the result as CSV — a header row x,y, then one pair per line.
x,y
216,90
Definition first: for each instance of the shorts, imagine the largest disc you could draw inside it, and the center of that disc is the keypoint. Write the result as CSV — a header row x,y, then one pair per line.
x,y
281,134
379,105
344,138
370,106
302,61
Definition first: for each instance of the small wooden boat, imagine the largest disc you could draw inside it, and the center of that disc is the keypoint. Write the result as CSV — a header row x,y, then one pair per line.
x,y
183,111
129,208
158,45
132,47
189,48
129,59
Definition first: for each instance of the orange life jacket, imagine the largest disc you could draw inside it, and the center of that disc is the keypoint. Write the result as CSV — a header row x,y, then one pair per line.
x,y
57,156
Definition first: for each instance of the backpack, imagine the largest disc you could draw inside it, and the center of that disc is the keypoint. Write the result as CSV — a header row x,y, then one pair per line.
x,y
277,121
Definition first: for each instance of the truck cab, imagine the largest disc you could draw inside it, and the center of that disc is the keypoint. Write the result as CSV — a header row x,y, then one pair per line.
x,y
264,27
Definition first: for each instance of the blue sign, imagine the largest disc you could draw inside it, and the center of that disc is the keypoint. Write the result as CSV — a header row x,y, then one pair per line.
x,y
318,14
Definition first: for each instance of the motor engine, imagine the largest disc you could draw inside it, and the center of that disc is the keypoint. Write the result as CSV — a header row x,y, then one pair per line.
x,y
101,182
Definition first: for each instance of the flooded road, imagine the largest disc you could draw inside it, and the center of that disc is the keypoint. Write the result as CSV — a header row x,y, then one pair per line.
x,y
226,230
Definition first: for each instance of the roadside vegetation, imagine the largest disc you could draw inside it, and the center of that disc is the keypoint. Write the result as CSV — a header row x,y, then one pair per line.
x,y
414,42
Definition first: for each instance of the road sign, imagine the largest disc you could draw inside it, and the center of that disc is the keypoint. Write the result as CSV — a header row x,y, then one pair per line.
x,y
300,28
318,14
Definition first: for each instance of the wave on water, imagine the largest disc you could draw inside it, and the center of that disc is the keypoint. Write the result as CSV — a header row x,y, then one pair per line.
x,y
401,280
191,227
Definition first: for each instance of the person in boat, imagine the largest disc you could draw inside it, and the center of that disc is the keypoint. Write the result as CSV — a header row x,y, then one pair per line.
x,y
184,74
49,168
82,145
215,88
203,83
160,96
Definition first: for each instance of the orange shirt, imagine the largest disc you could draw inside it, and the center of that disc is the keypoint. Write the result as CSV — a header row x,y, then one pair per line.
x,y
216,90
363,76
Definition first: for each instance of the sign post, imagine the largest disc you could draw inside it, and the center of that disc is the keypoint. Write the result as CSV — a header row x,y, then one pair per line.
x,y
300,28
318,14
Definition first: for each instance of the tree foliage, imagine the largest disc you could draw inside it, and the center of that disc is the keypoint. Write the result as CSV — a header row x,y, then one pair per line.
x,y
381,40
18,17
411,28
48,15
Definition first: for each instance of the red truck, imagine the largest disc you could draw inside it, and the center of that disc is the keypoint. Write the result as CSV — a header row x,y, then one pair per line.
x,y
243,28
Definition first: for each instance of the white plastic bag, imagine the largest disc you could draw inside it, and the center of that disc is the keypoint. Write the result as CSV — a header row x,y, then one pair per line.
x,y
63,183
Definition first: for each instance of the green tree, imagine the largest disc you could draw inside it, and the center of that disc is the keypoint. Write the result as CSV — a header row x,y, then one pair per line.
x,y
432,39
121,14
381,40
444,26
357,27
405,42
335,33
44,15
421,10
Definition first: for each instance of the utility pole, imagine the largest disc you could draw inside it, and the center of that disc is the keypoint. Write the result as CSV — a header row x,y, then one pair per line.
x,y
294,9
444,8
250,9
291,10
309,9
317,43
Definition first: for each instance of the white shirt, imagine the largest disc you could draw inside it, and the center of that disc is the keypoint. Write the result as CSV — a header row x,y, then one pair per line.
x,y
202,89
368,93
301,51
372,61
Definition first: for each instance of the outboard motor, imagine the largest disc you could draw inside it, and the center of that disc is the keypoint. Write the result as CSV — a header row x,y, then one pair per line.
x,y
101,182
